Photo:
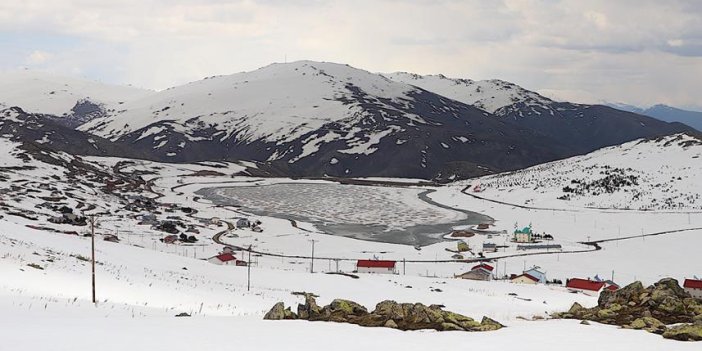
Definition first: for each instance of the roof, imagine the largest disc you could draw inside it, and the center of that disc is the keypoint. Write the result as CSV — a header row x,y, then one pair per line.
x,y
584,284
692,284
528,276
375,264
484,266
225,257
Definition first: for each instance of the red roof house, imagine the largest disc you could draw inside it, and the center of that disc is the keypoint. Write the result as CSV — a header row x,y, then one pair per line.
x,y
375,266
586,286
694,287
224,258
484,266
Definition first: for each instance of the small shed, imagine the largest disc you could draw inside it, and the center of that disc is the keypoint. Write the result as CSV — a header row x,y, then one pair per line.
x,y
375,266
489,247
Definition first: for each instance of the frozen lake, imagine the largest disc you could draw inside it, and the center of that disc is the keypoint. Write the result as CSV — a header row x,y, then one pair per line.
x,y
386,214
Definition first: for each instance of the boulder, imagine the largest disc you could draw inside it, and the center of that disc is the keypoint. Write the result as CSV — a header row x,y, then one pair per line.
x,y
276,313
575,308
390,324
488,324
649,324
388,314
685,332
651,309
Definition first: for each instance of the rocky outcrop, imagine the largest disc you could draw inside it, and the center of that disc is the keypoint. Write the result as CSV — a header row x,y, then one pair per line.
x,y
279,312
387,314
651,309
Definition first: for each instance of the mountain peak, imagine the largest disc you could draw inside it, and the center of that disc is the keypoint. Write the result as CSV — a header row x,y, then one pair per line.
x,y
489,95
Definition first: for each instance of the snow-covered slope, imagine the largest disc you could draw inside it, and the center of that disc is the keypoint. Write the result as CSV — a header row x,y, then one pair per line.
x,y
46,93
489,95
646,174
276,102
315,119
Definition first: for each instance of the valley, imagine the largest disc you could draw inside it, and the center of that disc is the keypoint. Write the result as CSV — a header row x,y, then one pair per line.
x,y
218,199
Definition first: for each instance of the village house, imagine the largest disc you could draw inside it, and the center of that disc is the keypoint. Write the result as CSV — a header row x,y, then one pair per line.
x,y
375,266
537,273
223,259
523,235
169,239
524,278
482,271
483,226
489,247
243,223
694,287
588,287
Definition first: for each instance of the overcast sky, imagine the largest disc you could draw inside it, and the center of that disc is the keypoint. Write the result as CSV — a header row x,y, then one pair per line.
x,y
640,52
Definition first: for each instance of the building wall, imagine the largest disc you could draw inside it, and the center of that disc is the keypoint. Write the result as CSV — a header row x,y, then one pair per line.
x,y
537,274
215,260
380,270
523,280
522,237
697,293
475,275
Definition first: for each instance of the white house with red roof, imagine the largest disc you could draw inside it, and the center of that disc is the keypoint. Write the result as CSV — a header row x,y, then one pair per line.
x,y
694,287
223,259
375,266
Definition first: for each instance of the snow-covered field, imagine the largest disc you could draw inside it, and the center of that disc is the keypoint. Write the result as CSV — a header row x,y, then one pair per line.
x,y
142,282
661,174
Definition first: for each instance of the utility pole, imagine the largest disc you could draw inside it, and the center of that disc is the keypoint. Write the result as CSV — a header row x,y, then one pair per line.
x,y
92,249
312,262
248,272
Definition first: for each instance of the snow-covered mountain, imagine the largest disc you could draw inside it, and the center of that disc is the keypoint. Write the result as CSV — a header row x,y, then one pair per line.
x,y
490,95
581,127
71,100
314,119
324,119
645,174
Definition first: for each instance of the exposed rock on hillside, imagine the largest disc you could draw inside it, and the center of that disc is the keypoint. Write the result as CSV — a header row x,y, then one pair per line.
x,y
388,314
651,309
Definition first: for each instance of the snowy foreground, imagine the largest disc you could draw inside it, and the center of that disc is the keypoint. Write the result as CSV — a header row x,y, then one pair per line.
x,y
142,283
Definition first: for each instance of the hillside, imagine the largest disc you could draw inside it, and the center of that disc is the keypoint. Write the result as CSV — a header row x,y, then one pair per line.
x,y
74,101
315,119
318,119
646,174
583,128
489,95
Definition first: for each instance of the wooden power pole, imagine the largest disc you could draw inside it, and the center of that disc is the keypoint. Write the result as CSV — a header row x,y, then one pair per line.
x,y
312,262
92,249
248,272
